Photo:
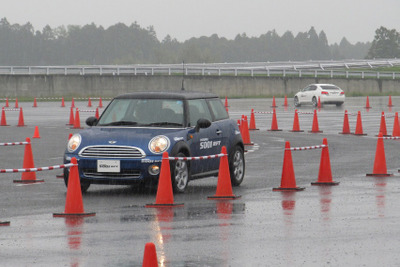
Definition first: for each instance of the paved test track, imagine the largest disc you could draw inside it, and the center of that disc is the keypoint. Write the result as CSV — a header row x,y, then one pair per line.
x,y
355,223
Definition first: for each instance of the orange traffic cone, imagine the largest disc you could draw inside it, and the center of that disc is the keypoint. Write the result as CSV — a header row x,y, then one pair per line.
x,y
34,103
288,180
100,103
246,133
346,126
296,124
315,127
252,126
150,255
226,102
77,122
97,113
382,128
325,172
165,196
36,133
71,117
319,103
89,103
73,201
21,118
359,129
72,103
62,102
29,176
3,118
367,106
380,160
16,102
7,104
224,186
239,123
390,101
396,127
273,103
274,123
285,104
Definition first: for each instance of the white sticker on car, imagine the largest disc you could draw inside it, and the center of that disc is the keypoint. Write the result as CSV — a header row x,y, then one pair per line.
x,y
209,144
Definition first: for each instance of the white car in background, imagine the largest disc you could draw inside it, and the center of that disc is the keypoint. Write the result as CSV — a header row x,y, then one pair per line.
x,y
328,94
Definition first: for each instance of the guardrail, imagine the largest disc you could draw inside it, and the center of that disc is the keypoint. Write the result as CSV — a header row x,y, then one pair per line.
x,y
323,69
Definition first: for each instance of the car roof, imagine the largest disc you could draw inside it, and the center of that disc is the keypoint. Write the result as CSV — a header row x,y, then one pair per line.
x,y
168,95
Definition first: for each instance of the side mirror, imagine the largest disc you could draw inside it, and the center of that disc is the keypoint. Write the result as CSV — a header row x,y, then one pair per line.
x,y
91,121
202,124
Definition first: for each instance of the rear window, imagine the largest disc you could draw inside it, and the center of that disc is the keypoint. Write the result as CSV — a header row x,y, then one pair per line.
x,y
330,87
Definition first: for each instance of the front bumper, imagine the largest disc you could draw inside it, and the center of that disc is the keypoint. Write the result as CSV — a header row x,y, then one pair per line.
x,y
131,170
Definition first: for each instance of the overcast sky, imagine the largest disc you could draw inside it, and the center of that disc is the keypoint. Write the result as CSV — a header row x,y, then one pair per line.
x,y
356,20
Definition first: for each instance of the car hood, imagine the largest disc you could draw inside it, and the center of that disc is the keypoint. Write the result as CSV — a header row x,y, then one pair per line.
x,y
131,136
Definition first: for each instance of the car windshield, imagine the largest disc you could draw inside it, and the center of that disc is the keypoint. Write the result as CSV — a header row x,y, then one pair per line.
x,y
143,112
330,87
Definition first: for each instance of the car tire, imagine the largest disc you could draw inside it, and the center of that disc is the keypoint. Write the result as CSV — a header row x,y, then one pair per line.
x,y
236,165
314,102
296,102
179,174
84,185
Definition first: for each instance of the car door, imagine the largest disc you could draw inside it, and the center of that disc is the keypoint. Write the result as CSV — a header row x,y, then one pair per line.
x,y
311,93
206,141
303,94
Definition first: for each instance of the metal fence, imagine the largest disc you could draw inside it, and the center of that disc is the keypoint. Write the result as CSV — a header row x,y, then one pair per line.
x,y
325,69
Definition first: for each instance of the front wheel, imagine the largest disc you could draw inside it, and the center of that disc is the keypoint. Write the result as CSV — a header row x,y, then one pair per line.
x,y
179,174
314,102
236,165
296,102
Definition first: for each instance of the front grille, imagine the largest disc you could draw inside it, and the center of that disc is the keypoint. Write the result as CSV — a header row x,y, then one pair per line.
x,y
124,174
127,152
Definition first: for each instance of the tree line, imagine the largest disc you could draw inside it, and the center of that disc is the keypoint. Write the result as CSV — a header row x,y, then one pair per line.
x,y
122,44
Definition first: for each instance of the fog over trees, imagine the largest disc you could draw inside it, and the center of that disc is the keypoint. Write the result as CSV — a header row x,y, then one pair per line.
x,y
122,44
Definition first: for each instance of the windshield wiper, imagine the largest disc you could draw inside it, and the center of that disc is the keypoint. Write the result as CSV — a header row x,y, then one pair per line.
x,y
163,123
118,123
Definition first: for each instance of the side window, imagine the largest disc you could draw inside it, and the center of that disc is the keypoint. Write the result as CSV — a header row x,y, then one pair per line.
x,y
306,89
198,109
313,88
218,109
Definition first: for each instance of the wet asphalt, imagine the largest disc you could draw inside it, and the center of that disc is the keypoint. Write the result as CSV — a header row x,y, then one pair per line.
x,y
352,224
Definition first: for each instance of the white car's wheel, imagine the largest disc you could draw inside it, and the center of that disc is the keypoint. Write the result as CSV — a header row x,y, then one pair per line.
x,y
296,102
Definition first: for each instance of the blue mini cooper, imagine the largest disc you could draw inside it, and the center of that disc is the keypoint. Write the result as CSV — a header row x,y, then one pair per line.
x,y
125,145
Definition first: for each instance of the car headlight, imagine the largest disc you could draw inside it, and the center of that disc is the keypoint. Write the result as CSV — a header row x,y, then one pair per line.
x,y
159,144
74,142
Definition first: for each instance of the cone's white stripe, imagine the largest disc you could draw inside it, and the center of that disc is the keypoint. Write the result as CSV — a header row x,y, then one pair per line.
x,y
38,169
306,147
14,144
196,158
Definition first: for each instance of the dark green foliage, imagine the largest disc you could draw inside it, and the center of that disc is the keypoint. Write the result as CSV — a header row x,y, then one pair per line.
x,y
122,44
386,44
